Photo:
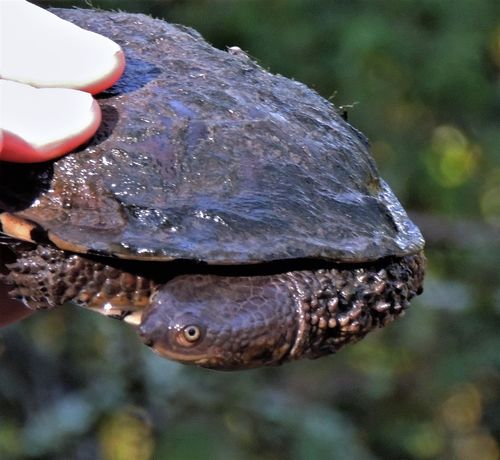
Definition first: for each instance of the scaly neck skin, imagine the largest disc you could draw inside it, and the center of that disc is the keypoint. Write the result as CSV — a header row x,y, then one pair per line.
x,y
340,306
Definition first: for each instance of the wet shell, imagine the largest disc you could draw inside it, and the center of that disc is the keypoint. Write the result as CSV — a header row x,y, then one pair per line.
x,y
203,155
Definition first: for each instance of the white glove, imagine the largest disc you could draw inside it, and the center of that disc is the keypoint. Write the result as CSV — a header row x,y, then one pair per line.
x,y
48,67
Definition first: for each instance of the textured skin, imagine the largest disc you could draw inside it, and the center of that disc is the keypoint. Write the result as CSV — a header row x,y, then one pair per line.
x,y
46,277
204,155
244,321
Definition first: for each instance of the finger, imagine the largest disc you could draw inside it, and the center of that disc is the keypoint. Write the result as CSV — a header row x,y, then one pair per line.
x,y
11,310
40,49
38,124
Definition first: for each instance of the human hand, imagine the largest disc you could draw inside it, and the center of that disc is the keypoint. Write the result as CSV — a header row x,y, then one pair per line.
x,y
48,67
48,70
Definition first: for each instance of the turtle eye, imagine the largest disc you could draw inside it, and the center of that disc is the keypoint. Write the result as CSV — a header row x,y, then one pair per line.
x,y
189,335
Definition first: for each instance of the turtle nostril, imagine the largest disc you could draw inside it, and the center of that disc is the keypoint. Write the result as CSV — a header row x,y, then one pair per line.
x,y
147,338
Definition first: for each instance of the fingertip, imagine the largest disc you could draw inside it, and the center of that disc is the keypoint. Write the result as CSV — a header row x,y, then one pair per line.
x,y
116,69
43,50
42,124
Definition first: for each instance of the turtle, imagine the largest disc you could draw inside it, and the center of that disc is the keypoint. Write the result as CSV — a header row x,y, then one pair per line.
x,y
233,217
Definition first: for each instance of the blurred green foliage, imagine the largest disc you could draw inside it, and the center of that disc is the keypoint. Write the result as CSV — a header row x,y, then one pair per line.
x,y
423,80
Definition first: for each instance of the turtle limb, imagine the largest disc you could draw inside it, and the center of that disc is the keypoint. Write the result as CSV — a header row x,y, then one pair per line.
x,y
44,277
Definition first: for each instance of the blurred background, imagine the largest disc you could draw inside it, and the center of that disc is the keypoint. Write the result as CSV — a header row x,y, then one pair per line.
x,y
422,81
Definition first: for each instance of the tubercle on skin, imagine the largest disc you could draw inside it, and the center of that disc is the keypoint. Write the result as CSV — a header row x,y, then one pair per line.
x,y
329,318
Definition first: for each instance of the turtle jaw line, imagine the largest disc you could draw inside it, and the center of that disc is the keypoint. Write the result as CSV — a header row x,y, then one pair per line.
x,y
196,359
212,361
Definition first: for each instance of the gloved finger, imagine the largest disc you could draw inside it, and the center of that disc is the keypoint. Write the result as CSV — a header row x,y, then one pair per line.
x,y
42,50
38,124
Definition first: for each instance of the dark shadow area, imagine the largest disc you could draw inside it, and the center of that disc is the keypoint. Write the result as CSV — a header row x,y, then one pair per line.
x,y
110,118
21,183
138,73
163,271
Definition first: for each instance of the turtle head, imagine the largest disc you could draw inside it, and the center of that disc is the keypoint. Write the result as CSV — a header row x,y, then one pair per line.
x,y
220,322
